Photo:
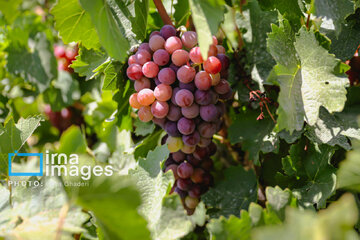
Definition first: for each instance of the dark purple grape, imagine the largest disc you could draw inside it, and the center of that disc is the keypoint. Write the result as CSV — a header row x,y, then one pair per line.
x,y
189,86
178,156
212,148
192,160
173,168
167,31
192,139
191,112
171,129
214,97
175,90
207,129
227,95
224,60
221,108
201,153
163,139
174,67
198,175
157,82
159,121
203,97
195,191
209,113
207,164
207,179
181,193
186,126
185,170
169,161
184,184
204,142
174,113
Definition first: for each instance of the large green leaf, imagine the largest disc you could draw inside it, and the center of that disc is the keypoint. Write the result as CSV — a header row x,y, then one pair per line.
x,y
232,194
37,212
182,12
166,217
289,8
37,65
348,174
207,15
9,9
74,24
119,24
309,164
336,222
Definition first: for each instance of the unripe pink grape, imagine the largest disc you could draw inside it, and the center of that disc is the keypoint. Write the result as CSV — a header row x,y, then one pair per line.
x,y
215,79
145,114
215,41
159,109
59,51
212,65
163,92
167,31
180,57
203,80
150,69
188,149
212,51
220,49
134,72
145,46
141,84
156,42
223,87
146,97
186,74
189,39
167,76
161,57
132,60
195,55
142,57
172,44
184,98
134,103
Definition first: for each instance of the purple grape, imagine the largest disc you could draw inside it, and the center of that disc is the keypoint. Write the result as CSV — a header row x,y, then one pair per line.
x,y
171,129
203,97
195,191
167,76
207,164
186,126
184,184
167,31
191,112
175,90
207,129
204,142
163,139
169,161
212,148
197,176
159,121
185,170
221,108
192,139
209,113
157,82
214,97
173,168
154,33
161,57
181,193
193,160
174,113
178,156
201,153
224,60
174,67
227,95
189,86
184,98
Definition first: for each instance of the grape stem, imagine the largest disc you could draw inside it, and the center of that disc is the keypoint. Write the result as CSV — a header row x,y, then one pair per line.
x,y
162,11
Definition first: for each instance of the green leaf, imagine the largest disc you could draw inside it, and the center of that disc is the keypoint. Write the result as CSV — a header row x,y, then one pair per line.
x,y
37,65
255,39
232,194
13,137
166,217
113,76
123,110
207,15
231,228
277,200
88,62
290,9
348,174
119,24
148,144
337,11
182,12
9,8
246,130
310,163
114,201
64,92
142,128
37,212
333,130
74,24
69,137
336,222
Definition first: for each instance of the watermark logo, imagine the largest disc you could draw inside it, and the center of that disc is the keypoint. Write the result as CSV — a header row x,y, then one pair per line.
x,y
13,155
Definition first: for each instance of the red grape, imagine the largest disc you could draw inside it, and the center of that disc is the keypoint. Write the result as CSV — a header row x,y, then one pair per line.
x,y
159,109
134,72
212,65
146,97
167,31
145,114
195,55
189,39
163,92
203,80
156,42
161,57
142,57
167,76
186,74
180,57
150,69
185,170
141,84
184,98
172,44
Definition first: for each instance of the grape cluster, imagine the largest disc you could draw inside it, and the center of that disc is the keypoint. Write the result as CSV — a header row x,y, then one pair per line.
x,y
65,118
65,56
184,94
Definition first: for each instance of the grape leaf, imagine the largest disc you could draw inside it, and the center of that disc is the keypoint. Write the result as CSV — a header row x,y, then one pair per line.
x,y
207,15
37,66
147,144
182,12
36,212
13,137
336,222
9,8
335,11
122,96
231,228
166,217
290,9
232,194
74,23
312,169
348,175
261,61
119,24
88,62
246,130
142,128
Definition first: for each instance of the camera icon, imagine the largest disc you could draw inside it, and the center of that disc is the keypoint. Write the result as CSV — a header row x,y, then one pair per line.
x,y
10,157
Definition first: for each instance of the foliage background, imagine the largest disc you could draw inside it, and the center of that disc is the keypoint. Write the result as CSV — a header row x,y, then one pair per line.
x,y
297,178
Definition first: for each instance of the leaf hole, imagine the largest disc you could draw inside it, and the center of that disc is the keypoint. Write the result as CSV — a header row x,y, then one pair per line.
x,y
327,83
